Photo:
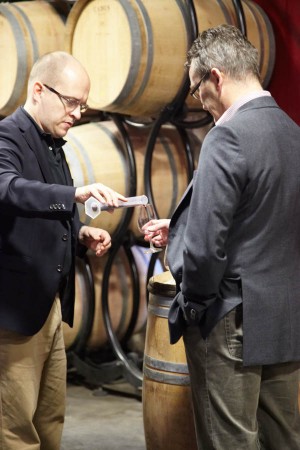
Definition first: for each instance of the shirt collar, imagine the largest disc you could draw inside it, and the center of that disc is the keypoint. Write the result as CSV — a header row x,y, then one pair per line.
x,y
50,141
232,110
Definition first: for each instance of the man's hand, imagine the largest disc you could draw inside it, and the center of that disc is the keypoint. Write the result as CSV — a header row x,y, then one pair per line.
x,y
95,239
157,231
99,191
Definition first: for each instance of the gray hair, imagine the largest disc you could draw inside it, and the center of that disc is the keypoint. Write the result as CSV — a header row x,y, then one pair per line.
x,y
225,48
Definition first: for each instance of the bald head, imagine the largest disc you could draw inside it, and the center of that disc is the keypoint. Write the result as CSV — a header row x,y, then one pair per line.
x,y
52,67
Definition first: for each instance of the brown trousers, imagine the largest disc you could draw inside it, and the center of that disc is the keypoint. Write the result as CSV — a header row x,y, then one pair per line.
x,y
33,387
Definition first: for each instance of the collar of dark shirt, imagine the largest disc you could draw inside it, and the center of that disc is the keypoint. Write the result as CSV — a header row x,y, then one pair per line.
x,y
55,143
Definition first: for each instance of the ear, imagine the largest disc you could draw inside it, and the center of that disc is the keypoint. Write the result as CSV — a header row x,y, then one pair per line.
x,y
218,78
37,90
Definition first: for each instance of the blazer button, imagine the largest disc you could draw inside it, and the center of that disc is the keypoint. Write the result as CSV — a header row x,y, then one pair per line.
x,y
65,237
59,268
51,207
63,206
193,314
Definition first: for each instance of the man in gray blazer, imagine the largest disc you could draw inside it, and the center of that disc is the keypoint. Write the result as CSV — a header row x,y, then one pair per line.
x,y
234,252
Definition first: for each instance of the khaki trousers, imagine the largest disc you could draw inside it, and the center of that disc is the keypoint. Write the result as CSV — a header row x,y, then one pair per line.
x,y
33,387
237,407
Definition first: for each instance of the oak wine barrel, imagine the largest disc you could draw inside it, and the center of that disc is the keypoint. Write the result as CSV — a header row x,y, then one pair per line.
x,y
28,30
167,405
125,45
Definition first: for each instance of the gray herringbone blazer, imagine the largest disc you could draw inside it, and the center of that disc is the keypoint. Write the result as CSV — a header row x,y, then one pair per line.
x,y
235,236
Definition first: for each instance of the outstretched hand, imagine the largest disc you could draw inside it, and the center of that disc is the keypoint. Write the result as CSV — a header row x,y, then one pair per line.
x,y
95,239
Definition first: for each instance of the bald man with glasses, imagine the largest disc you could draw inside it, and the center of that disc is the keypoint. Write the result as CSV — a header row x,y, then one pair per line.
x,y
40,236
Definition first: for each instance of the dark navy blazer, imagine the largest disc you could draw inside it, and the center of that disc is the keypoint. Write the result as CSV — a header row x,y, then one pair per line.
x,y
34,232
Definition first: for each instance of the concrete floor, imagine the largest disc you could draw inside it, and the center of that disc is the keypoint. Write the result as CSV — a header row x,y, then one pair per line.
x,y
103,419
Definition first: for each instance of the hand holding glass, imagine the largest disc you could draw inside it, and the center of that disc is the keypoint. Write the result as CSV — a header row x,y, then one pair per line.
x,y
147,213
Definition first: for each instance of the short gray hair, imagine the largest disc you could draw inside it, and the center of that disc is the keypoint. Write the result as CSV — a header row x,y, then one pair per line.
x,y
227,49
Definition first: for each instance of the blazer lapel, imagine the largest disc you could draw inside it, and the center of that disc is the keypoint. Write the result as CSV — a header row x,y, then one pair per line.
x,y
36,146
187,194
32,138
66,169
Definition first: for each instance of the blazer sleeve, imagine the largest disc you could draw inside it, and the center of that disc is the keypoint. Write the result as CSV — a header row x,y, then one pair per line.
x,y
23,190
218,186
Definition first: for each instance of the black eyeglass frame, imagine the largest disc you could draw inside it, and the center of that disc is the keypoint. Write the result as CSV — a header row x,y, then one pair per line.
x,y
194,92
69,102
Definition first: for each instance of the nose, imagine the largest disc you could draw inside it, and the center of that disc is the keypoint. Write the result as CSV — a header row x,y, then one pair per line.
x,y
76,112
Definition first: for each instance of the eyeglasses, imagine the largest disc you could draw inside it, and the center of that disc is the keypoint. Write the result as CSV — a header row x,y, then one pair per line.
x,y
69,102
195,91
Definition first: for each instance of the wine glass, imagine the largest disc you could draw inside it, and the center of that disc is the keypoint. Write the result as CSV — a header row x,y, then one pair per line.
x,y
147,213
